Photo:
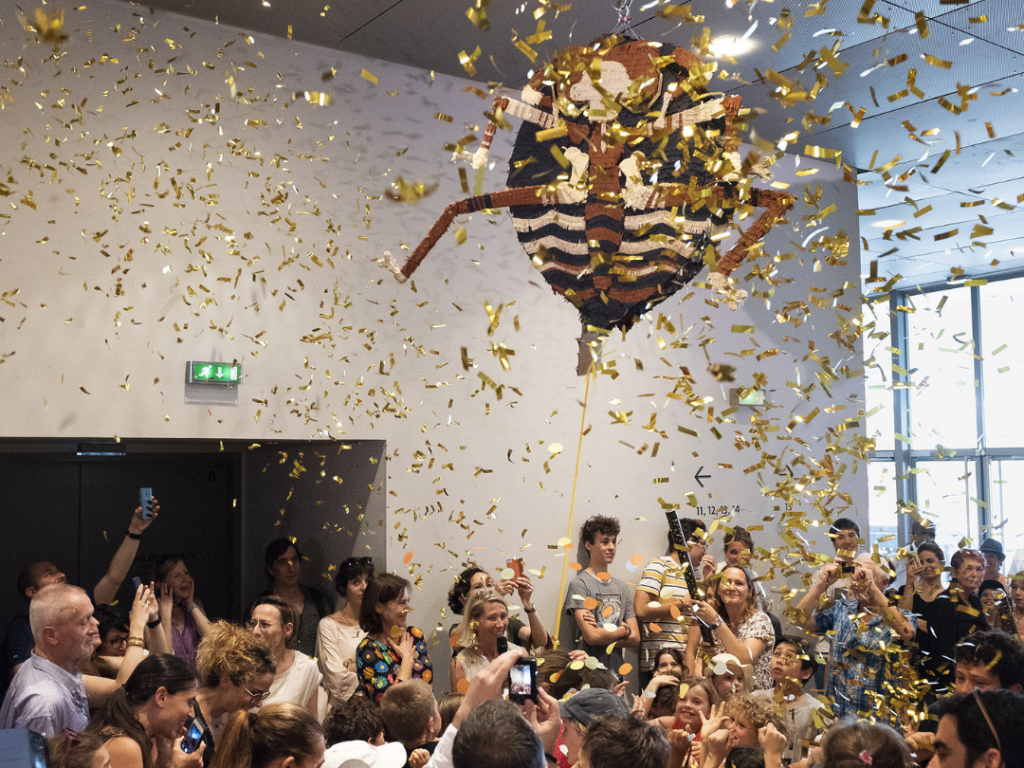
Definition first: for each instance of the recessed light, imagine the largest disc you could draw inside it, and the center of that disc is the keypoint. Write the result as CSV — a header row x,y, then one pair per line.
x,y
731,46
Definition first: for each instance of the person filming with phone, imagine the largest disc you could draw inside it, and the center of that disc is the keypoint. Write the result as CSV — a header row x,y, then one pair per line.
x,y
392,652
867,634
145,722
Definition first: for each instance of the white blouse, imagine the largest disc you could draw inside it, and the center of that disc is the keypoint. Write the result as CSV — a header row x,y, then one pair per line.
x,y
297,683
336,655
473,663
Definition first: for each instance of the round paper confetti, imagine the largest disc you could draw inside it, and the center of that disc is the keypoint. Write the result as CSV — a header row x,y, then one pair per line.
x,y
408,558
576,566
589,603
565,541
507,573
625,669
462,686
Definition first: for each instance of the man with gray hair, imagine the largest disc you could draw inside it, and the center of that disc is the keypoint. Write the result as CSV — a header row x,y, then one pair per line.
x,y
47,693
867,635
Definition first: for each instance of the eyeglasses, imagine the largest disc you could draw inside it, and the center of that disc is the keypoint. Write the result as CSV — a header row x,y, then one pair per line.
x,y
258,695
117,642
263,625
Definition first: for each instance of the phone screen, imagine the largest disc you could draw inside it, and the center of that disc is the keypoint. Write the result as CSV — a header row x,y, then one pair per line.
x,y
522,680
193,737
516,566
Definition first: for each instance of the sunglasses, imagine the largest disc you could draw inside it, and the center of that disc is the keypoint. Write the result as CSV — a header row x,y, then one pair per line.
x,y
356,561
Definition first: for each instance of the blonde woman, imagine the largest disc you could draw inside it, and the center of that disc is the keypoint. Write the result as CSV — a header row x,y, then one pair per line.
x,y
484,620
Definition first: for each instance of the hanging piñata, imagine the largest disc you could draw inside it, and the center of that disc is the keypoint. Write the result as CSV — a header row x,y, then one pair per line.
x,y
623,176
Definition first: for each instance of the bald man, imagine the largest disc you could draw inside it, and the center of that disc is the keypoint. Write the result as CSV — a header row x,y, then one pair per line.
x,y
47,694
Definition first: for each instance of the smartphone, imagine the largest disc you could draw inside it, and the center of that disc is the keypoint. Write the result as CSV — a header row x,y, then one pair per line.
x,y
502,645
913,561
516,566
522,681
193,736
146,502
846,567
137,582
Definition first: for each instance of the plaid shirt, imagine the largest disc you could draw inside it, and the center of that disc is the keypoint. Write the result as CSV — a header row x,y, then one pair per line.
x,y
863,661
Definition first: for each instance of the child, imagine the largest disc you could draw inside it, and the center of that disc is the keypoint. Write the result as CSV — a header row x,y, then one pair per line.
x,y
729,676
354,720
448,706
699,697
792,666
411,715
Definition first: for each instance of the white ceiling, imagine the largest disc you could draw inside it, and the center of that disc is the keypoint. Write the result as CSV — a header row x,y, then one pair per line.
x,y
430,34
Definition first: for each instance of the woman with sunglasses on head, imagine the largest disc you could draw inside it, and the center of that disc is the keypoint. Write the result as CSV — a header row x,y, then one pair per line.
x,y
284,568
78,750
340,634
143,722
297,679
235,675
278,736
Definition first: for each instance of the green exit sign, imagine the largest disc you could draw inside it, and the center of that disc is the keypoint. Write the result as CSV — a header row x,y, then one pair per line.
x,y
213,373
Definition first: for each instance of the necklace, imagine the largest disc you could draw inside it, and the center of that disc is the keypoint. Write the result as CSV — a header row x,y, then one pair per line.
x,y
345,621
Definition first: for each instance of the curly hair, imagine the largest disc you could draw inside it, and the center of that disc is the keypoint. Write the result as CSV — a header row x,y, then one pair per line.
x,y
996,650
357,719
228,649
459,590
752,606
756,712
598,524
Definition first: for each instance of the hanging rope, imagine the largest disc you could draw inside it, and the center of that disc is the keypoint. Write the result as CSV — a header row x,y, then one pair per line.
x,y
572,499
624,27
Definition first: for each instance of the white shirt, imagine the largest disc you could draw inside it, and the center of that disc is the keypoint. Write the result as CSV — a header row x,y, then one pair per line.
x,y
297,683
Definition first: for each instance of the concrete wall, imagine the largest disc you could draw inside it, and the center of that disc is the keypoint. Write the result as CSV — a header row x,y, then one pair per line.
x,y
207,213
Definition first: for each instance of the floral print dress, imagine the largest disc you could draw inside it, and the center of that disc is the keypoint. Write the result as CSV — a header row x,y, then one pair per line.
x,y
377,666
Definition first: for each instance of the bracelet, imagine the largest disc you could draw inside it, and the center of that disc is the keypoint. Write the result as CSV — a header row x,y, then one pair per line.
x,y
133,536
193,607
136,642
529,610
155,623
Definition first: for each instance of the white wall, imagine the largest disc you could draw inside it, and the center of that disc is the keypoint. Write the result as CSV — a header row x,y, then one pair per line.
x,y
341,347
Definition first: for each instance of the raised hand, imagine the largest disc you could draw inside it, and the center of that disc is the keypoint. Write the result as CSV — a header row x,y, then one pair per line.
x,y
138,523
771,740
713,722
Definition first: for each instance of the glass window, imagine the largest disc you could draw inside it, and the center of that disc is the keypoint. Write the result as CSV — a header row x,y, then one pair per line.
x,y
1002,364
1006,487
946,493
940,352
883,518
878,399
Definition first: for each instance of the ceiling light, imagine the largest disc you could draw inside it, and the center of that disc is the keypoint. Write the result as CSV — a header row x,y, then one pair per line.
x,y
888,224
731,46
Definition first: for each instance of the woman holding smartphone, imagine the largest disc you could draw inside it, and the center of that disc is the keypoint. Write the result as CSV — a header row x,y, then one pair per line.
x,y
484,621
181,614
392,652
144,721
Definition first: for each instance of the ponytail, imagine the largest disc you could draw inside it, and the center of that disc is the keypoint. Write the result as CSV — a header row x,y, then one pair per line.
x,y
234,747
276,731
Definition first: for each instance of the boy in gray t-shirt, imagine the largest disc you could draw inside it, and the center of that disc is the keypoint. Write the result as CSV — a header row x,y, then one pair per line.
x,y
601,604
792,666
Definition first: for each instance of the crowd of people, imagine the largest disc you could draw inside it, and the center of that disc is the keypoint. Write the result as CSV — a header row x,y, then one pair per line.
x,y
929,673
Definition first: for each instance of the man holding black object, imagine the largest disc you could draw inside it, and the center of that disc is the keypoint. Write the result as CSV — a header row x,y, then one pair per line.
x,y
601,604
662,600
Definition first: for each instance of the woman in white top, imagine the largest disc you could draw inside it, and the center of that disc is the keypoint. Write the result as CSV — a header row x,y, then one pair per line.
x,y
273,622
484,620
339,634
738,625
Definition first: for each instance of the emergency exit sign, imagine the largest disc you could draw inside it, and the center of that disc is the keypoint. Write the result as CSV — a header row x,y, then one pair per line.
x,y
213,373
